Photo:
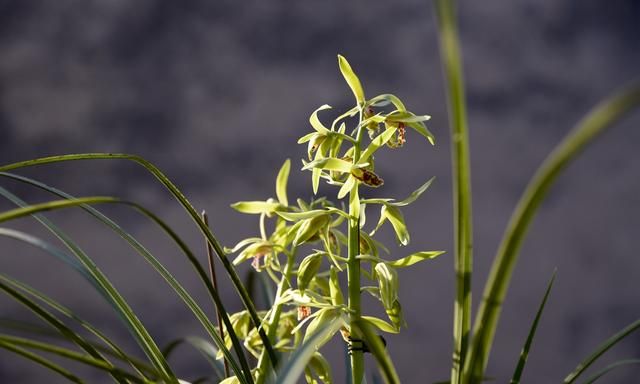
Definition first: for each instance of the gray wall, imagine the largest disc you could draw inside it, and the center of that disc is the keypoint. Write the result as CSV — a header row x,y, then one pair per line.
x,y
217,93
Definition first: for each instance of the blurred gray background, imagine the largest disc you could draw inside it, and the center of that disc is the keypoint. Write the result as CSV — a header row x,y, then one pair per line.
x,y
216,93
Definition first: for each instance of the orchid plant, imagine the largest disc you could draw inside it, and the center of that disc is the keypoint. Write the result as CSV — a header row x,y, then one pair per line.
x,y
313,244
320,255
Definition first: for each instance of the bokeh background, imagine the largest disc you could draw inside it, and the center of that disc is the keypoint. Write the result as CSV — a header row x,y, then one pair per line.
x,y
216,93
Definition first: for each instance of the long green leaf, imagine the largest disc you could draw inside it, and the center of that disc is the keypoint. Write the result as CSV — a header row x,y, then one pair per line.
x,y
52,303
39,330
184,202
600,118
41,361
604,347
48,317
515,379
69,354
592,379
206,349
452,65
99,281
294,368
189,301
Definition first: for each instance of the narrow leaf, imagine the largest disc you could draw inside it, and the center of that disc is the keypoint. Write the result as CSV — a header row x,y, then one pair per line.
x,y
604,347
610,368
41,361
414,195
294,368
414,258
204,347
600,118
461,176
191,211
148,257
532,332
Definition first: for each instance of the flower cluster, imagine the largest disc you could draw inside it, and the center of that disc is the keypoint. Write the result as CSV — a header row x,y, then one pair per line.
x,y
305,248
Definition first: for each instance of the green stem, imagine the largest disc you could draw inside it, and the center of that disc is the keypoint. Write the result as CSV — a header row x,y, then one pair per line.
x,y
353,276
452,65
274,318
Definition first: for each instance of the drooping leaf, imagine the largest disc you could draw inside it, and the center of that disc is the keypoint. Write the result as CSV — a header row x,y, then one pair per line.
x,y
191,211
592,379
326,316
103,285
294,368
381,324
414,258
604,347
46,363
15,344
204,347
99,281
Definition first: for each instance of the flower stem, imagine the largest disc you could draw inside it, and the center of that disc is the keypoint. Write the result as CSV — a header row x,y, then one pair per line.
x,y
353,275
